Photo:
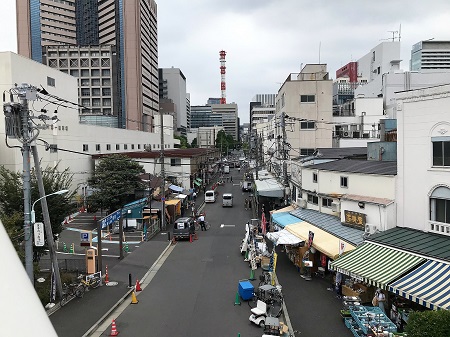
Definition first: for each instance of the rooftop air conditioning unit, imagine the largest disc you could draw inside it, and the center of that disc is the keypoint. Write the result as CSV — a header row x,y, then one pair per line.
x,y
302,203
346,134
370,229
336,207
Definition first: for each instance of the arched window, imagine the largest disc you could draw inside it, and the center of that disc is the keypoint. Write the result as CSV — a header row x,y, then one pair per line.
x,y
440,205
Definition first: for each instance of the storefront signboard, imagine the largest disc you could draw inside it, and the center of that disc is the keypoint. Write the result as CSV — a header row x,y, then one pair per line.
x,y
355,219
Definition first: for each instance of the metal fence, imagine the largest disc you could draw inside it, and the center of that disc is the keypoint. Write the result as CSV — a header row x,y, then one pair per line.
x,y
73,264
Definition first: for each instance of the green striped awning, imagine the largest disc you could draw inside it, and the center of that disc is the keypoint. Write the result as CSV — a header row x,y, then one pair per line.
x,y
197,183
376,265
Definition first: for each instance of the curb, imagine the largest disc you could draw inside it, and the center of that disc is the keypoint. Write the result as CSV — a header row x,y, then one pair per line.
x,y
94,327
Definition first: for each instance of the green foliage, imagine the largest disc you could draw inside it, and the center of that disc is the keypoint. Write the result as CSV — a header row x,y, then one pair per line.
x,y
194,142
225,142
12,206
115,179
428,324
183,142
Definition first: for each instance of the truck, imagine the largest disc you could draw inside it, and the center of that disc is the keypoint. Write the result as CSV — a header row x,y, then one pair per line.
x,y
246,185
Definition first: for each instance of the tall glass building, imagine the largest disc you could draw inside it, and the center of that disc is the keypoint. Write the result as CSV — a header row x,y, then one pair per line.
x,y
105,43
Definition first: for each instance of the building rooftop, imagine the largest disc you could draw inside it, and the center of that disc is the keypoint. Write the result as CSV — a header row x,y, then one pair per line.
x,y
341,152
415,241
358,166
178,153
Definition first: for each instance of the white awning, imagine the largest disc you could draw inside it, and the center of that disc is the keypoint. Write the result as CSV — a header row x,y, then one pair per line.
x,y
176,188
269,188
283,237
181,196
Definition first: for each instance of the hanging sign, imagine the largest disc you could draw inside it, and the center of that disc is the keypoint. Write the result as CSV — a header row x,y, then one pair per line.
x,y
341,247
39,239
310,239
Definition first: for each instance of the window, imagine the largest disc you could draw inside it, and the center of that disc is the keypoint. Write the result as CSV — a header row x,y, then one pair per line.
x,y
95,82
53,63
106,72
313,199
74,72
95,72
175,161
117,146
326,202
85,147
106,101
95,63
344,181
307,152
85,92
96,102
314,177
97,147
63,63
85,73
50,81
74,63
441,153
139,146
132,146
125,146
307,98
96,92
440,205
307,125
105,62
106,81
108,147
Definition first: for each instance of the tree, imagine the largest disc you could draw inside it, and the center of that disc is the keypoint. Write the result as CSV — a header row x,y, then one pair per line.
x,y
11,203
428,323
194,142
183,142
115,179
224,142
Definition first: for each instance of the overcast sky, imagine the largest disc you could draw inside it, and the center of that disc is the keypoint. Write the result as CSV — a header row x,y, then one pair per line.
x,y
265,40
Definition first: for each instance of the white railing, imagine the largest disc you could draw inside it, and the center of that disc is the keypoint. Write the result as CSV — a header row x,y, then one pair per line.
x,y
439,228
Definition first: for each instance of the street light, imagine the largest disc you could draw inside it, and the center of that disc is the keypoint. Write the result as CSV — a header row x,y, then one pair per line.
x,y
33,213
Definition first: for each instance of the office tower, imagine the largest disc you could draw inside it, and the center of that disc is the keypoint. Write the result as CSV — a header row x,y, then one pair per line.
x,y
172,86
110,45
430,54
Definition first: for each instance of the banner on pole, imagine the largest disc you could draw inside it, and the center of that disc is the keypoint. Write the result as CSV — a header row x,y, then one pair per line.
x,y
341,247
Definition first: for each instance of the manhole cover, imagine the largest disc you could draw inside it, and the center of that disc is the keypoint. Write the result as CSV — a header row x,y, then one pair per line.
x,y
112,284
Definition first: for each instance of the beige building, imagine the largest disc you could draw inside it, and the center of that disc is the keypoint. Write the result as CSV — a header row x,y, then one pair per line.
x,y
306,101
229,114
110,46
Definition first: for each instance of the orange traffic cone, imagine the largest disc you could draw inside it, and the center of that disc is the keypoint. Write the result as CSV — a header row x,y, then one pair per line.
x,y
190,237
114,331
106,275
195,236
134,300
137,287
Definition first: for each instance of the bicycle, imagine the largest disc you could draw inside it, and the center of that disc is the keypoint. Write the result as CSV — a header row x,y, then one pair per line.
x,y
69,291
91,282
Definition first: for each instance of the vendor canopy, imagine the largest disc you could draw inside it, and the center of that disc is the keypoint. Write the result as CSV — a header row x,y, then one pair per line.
x,y
269,188
284,219
376,265
323,241
176,188
283,237
428,285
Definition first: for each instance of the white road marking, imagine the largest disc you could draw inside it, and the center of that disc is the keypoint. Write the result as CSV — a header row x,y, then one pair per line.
x,y
222,226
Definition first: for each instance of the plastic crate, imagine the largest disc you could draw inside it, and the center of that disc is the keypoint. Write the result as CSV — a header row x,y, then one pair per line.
x,y
348,321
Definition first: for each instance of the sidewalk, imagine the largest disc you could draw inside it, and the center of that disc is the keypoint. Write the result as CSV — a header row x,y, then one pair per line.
x,y
79,315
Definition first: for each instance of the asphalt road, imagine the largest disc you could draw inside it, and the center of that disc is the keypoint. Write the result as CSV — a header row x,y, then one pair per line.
x,y
193,291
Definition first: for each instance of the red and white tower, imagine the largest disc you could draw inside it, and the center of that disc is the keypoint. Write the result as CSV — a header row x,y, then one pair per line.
x,y
223,86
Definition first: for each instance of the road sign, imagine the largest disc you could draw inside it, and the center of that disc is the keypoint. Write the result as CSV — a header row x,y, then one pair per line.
x,y
85,238
163,199
39,239
110,219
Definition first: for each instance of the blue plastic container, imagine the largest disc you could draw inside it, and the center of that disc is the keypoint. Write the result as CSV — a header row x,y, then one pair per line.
x,y
245,290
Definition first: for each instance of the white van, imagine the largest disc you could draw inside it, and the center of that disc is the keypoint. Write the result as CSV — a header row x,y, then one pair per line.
x,y
226,169
227,200
210,196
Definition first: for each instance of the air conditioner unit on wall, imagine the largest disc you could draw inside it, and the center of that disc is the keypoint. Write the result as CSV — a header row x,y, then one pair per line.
x,y
346,134
370,229
302,203
336,207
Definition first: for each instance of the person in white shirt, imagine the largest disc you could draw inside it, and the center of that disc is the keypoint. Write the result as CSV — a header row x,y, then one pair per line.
x,y
201,219
381,299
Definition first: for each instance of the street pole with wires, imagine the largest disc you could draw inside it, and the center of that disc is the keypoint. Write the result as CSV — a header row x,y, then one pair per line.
x,y
163,187
284,156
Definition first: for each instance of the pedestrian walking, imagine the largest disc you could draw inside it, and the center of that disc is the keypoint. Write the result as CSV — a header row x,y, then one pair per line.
x,y
193,209
246,203
194,195
231,179
201,219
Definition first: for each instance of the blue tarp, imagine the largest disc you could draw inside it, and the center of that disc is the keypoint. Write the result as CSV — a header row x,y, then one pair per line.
x,y
284,219
176,188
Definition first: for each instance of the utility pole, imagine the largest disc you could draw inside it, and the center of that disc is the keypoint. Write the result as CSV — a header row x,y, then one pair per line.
x,y
26,91
257,154
284,153
163,194
47,223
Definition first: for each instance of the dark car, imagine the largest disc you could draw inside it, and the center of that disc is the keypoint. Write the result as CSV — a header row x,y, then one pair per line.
x,y
183,227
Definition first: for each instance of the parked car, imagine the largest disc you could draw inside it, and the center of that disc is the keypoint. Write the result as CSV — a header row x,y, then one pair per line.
x,y
182,228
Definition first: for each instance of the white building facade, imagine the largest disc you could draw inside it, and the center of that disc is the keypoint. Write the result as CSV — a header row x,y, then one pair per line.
x,y
75,142
423,186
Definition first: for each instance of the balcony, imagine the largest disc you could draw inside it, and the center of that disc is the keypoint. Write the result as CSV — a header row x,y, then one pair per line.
x,y
439,227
